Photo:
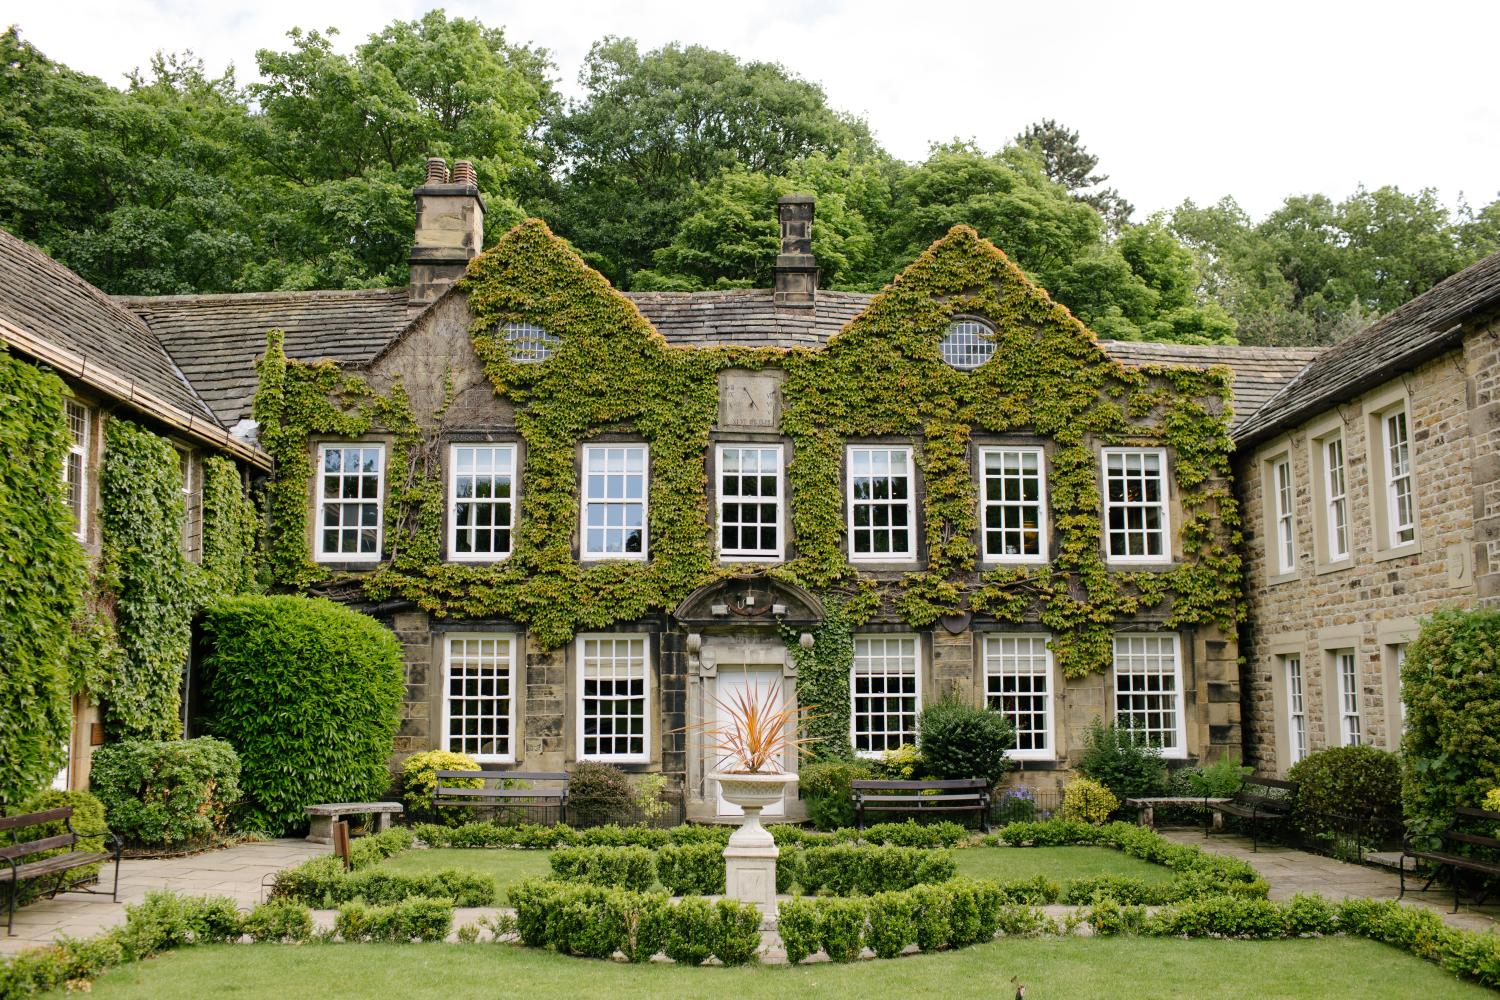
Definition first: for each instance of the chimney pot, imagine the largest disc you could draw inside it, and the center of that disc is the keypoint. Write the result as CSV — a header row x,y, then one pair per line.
x,y
437,170
450,229
796,270
463,173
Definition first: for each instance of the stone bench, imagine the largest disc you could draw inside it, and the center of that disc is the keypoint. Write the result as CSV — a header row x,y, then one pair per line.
x,y
323,817
1147,806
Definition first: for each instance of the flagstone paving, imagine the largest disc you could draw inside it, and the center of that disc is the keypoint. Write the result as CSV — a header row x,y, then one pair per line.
x,y
236,872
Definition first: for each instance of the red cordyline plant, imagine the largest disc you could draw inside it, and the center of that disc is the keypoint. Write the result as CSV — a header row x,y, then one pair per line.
x,y
752,730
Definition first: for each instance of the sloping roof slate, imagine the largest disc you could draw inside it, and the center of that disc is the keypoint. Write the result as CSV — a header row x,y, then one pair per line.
x,y
1259,372
1420,329
746,317
216,338
47,300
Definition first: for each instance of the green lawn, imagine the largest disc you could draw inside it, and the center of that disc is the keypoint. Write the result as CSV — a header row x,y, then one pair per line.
x,y
1061,864
1075,969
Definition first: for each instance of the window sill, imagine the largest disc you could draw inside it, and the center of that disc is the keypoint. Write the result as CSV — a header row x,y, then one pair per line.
x,y
1333,567
988,563
1279,578
1133,564
730,558
1396,552
348,565
596,560
477,560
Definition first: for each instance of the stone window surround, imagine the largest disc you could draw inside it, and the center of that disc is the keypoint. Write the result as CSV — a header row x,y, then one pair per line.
x,y
518,464
342,560
581,457
1376,408
191,464
1390,634
83,449
915,502
1328,426
1056,686
573,703
1169,516
1329,643
1273,454
517,667
1180,751
923,653
1277,649
1044,521
783,501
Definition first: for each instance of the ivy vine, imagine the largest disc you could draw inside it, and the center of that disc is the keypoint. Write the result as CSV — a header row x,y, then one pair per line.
x,y
881,376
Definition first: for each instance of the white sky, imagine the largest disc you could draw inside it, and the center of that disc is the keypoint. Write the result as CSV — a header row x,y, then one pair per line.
x,y
1197,99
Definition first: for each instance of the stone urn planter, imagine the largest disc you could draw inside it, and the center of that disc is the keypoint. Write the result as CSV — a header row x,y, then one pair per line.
x,y
750,858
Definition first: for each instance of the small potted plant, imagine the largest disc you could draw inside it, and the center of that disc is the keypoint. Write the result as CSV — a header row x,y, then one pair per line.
x,y
755,732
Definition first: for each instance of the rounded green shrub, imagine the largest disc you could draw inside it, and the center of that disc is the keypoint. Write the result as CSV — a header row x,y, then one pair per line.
x,y
1121,761
1342,788
963,741
826,788
419,781
1451,685
598,793
167,793
309,693
1087,801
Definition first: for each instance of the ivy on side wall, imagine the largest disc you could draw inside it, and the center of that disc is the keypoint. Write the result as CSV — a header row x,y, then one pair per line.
x,y
882,376
231,529
42,576
141,511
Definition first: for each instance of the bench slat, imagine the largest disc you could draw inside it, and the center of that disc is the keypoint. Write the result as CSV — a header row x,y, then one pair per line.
x,y
966,797
499,793
35,819
875,805
1479,840
507,775
868,784
48,866
37,846
1457,861
1478,814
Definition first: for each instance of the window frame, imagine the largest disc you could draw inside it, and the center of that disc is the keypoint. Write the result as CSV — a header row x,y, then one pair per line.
x,y
1392,527
445,738
79,447
1332,501
1164,505
961,326
1283,512
1049,673
985,503
909,555
585,554
319,553
916,673
1178,752
1296,705
749,555
452,490
1345,696
580,665
192,504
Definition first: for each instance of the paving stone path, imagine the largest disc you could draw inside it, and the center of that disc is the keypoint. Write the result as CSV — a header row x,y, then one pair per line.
x,y
234,871
1290,871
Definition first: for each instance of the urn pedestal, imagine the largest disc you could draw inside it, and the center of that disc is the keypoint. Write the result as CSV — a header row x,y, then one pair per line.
x,y
750,858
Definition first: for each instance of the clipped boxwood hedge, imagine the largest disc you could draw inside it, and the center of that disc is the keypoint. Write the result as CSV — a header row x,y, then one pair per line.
x,y
309,692
167,793
1343,788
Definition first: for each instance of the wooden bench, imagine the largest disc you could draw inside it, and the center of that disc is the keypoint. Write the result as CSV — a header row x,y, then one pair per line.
x,y
1259,800
1146,807
952,795
326,814
1448,856
58,865
449,794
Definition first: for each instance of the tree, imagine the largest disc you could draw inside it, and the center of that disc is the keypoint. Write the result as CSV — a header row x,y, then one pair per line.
x,y
651,128
1066,162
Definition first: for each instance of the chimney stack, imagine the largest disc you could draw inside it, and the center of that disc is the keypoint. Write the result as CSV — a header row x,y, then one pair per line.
x,y
796,271
450,228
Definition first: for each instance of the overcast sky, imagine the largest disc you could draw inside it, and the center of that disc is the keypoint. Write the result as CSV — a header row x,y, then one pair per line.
x,y
1192,100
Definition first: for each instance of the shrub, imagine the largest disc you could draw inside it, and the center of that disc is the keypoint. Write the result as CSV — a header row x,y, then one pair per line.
x,y
419,781
893,923
1340,788
646,926
1119,760
1306,915
695,869
963,741
848,869
650,795
691,930
167,793
904,763
799,923
1108,918
1451,684
1221,779
88,823
375,848
1120,888
1088,801
736,936
842,926
1220,916
914,834
1035,891
621,867
1015,805
282,920
598,793
788,869
827,787
309,692
322,882
416,919
932,916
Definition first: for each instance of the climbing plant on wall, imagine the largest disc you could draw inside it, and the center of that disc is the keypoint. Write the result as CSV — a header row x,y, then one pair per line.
x,y
882,376
41,578
231,526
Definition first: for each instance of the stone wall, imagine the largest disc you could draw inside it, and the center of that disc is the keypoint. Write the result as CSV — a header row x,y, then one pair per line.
x,y
1373,602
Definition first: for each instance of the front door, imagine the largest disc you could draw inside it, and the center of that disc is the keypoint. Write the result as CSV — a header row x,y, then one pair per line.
x,y
734,681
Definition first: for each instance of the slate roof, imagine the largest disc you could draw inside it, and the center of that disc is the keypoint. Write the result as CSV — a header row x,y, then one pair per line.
x,y
216,338
1259,372
746,317
47,301
1422,328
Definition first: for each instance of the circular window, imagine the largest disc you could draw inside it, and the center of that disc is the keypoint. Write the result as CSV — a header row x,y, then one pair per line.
x,y
529,342
969,344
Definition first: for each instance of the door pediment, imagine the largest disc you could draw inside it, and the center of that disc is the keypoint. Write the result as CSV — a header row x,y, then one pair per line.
x,y
749,600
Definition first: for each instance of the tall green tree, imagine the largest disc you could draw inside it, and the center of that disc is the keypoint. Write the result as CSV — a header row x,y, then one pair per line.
x,y
1066,162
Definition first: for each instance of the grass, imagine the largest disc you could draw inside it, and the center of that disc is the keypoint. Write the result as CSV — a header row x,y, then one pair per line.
x,y
1072,968
1061,864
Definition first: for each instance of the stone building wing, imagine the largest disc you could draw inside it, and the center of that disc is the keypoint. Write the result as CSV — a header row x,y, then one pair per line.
x,y
1422,328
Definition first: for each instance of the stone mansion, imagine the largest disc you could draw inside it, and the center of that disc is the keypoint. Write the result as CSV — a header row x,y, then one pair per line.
x,y
591,517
